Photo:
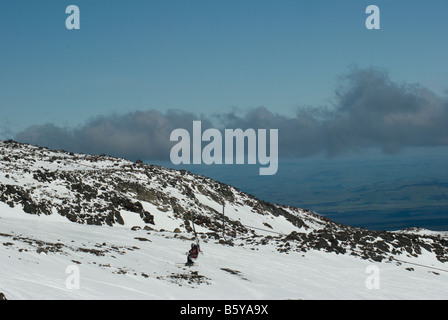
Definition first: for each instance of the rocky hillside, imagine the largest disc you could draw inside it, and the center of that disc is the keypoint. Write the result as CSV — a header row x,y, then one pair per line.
x,y
103,190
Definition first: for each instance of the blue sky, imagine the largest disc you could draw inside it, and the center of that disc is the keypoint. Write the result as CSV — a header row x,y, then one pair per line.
x,y
204,56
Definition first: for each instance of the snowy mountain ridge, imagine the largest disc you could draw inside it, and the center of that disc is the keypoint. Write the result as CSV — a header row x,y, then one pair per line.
x,y
126,226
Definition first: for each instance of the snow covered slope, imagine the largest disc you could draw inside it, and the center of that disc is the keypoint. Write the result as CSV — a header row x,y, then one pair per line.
x,y
95,227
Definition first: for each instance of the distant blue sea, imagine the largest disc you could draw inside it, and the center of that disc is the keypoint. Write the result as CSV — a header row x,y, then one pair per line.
x,y
390,220
377,192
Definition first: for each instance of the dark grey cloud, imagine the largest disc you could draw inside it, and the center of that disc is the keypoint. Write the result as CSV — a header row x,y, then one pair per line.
x,y
372,111
135,135
367,110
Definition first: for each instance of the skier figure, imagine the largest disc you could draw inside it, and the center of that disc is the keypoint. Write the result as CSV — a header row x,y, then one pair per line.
x,y
193,254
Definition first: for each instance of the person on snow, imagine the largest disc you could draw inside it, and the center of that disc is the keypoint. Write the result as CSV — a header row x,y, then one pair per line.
x,y
193,253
